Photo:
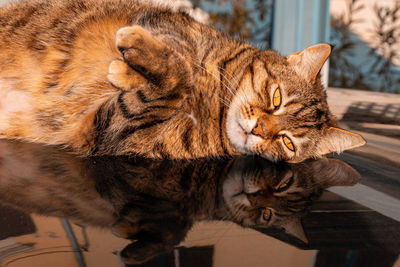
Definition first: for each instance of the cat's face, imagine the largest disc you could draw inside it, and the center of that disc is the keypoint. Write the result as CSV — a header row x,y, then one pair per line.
x,y
280,109
258,193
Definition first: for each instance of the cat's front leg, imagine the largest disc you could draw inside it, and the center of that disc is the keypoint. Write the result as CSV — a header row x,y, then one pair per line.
x,y
164,70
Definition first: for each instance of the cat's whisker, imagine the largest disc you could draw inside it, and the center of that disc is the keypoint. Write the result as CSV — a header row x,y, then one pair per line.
x,y
216,78
230,90
229,81
242,100
232,79
224,102
236,84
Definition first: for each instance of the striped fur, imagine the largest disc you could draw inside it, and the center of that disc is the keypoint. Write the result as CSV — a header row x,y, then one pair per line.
x,y
126,77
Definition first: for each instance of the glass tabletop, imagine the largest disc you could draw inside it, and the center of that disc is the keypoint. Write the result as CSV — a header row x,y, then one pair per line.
x,y
58,209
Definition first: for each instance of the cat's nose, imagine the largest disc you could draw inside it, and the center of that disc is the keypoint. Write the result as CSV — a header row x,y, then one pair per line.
x,y
255,197
252,199
259,129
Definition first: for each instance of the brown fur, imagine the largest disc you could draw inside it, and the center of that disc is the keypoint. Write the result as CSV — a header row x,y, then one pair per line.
x,y
123,77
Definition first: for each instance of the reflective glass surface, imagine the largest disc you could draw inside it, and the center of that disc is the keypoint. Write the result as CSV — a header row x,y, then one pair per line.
x,y
57,209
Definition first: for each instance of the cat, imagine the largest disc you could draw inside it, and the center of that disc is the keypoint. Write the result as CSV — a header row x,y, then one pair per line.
x,y
156,202
114,77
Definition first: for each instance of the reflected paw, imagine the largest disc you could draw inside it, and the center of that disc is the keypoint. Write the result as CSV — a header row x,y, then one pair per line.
x,y
125,229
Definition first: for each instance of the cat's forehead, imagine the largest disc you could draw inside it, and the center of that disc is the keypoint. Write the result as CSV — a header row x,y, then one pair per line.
x,y
270,61
268,76
274,68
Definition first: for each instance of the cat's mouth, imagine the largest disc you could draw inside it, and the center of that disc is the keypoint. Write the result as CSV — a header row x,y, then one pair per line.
x,y
243,133
245,189
239,132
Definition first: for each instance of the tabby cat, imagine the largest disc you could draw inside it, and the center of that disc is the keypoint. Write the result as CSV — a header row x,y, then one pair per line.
x,y
156,202
130,77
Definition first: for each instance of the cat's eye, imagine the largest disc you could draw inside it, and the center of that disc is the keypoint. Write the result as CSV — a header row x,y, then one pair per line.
x,y
267,214
285,185
288,143
277,98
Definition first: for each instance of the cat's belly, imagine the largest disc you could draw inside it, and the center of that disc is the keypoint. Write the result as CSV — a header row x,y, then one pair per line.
x,y
13,102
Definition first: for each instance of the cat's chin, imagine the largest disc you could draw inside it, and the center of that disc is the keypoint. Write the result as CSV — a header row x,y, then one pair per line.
x,y
238,137
235,131
239,129
234,188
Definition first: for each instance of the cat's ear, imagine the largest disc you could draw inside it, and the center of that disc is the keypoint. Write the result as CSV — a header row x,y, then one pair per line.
x,y
294,228
308,63
333,172
338,140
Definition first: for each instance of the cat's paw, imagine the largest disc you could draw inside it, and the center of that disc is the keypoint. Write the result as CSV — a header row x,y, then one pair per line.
x,y
146,54
135,37
122,76
139,47
125,229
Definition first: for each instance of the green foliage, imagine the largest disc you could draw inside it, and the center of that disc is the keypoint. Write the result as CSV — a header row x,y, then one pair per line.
x,y
387,43
346,70
249,20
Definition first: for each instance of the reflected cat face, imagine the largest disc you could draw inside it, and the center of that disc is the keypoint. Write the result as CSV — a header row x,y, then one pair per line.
x,y
261,194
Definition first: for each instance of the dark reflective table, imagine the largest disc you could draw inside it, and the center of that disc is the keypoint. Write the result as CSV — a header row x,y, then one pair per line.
x,y
57,209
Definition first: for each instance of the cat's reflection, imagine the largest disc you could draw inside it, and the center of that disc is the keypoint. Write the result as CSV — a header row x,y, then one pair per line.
x,y
155,203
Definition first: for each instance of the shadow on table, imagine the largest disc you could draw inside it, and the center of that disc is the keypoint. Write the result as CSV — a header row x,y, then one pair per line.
x,y
376,118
